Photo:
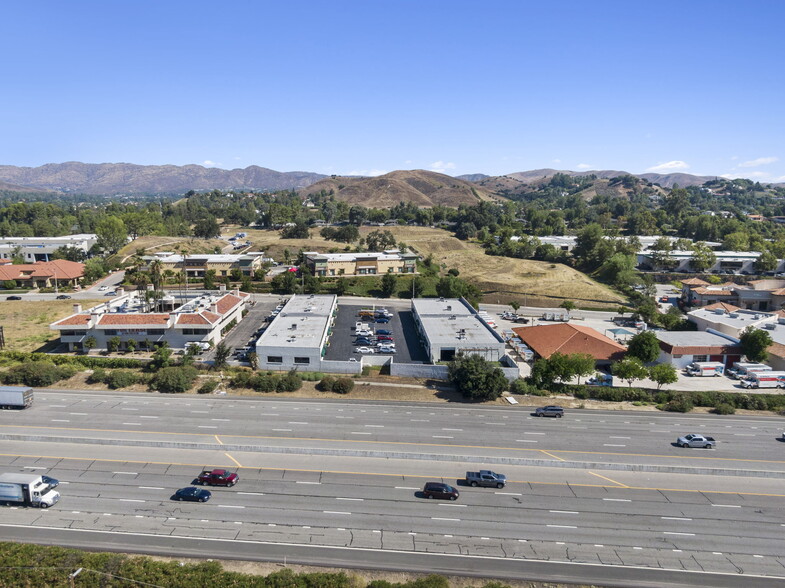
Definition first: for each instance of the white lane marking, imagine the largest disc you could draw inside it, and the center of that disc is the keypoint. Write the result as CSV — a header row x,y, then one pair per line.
x,y
562,526
716,552
340,512
659,431
208,426
455,505
129,409
78,413
528,433
75,512
131,500
613,437
64,482
302,482
729,506
420,420
617,499
443,429
148,487
509,493
252,493
448,536
526,441
637,547
230,506
357,499
495,424
375,426
405,488
613,445
296,423
57,406
757,556
443,519
148,417
200,411
34,467
673,533
675,519
269,414
344,417
597,545
133,424
284,430
676,550
442,437
360,433
127,473
60,421
564,511
222,420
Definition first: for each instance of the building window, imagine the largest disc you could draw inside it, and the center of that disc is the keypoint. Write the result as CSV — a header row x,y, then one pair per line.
x,y
155,331
700,358
274,359
302,360
108,332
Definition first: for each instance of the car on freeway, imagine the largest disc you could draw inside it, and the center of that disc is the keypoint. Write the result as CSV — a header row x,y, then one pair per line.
x,y
192,494
383,332
13,297
554,411
363,350
103,288
439,490
63,297
52,482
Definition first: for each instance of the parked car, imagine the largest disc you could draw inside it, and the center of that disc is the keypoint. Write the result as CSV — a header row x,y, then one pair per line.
x,y
382,320
386,349
439,490
664,299
363,350
383,332
384,338
554,411
103,288
192,494
363,341
63,297
13,297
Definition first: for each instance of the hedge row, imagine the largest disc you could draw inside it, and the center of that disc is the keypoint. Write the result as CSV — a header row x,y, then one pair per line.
x,y
36,565
87,361
267,382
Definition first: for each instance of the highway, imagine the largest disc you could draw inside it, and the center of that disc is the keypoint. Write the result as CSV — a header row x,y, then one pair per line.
x,y
596,496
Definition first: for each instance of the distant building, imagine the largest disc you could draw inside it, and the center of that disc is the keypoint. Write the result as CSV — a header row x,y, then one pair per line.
x,y
43,274
200,320
34,249
196,264
361,264
681,348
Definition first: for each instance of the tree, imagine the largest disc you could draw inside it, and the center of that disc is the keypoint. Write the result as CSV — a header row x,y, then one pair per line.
x,y
380,240
222,353
253,360
113,344
567,305
644,346
112,234
130,345
388,284
515,306
161,357
340,286
298,230
209,280
476,379
663,373
581,364
174,380
466,231
417,287
766,262
754,343
285,283
89,343
629,369
702,257
207,228
94,269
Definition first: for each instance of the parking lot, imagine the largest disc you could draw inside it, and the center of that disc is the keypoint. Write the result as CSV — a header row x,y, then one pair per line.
x,y
407,343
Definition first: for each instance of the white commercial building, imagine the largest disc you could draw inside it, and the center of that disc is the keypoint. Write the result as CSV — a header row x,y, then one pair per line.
x,y
297,336
449,326
34,249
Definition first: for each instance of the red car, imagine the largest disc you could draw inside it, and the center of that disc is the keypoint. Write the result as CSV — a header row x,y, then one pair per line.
x,y
384,338
217,478
664,299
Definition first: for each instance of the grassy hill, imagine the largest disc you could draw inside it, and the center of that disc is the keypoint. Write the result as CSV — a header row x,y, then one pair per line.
x,y
423,188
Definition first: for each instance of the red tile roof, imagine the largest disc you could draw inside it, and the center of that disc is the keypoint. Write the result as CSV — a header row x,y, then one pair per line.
x,y
545,340
694,282
133,319
62,269
227,303
715,291
74,319
723,305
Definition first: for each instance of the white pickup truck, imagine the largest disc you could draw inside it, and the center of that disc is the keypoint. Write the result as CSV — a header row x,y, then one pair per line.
x,y
695,440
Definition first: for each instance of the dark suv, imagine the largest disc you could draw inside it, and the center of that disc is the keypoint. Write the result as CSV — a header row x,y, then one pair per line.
x,y
439,490
554,411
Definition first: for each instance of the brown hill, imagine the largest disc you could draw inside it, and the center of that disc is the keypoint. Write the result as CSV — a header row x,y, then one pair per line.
x,y
423,188
5,186
126,178
665,180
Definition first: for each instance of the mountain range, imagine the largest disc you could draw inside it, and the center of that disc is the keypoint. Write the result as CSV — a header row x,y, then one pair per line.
x,y
664,180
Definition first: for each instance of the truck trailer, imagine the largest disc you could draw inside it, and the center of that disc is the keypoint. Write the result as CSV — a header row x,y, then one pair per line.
x,y
27,489
741,370
706,368
15,396
766,379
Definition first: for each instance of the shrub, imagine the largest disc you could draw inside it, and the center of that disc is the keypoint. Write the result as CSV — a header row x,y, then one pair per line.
x,y
242,379
289,383
327,383
679,403
37,373
208,387
343,385
263,383
120,379
97,377
174,380
724,409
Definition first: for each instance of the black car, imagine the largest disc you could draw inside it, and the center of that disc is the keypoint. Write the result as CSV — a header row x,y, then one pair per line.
x,y
13,297
63,297
51,481
363,341
383,332
193,494
439,490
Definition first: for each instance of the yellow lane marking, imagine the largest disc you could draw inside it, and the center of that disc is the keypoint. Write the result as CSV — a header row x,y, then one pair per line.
x,y
239,465
532,482
551,455
613,481
219,441
368,442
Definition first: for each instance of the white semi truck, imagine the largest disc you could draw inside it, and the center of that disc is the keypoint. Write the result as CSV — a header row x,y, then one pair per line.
x,y
15,396
27,489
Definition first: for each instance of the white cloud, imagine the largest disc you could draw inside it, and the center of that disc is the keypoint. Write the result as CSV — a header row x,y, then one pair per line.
x,y
408,162
555,160
757,162
756,174
728,176
208,163
584,166
668,166
367,172
442,166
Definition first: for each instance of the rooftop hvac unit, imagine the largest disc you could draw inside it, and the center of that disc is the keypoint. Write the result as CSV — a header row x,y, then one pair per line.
x,y
449,308
294,327
453,317
719,311
734,315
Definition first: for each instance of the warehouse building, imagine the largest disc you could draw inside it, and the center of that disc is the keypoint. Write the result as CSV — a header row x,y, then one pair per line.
x,y
297,336
449,326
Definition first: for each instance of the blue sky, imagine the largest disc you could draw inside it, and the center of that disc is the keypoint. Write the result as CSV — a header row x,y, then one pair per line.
x,y
365,87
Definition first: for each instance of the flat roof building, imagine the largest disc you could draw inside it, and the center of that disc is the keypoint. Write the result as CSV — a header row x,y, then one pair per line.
x,y
361,264
196,264
297,336
34,249
449,326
